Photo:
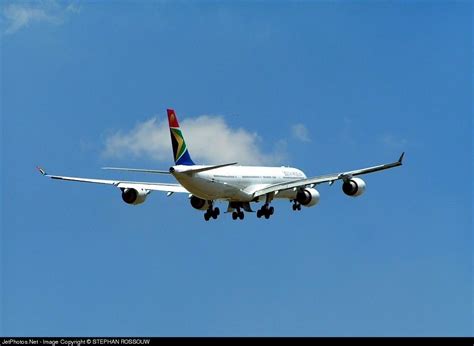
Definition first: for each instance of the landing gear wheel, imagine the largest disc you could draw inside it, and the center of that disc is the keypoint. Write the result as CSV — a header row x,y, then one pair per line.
x,y
266,211
241,215
211,213
234,215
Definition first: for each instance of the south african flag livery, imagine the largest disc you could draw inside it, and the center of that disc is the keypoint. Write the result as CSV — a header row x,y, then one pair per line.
x,y
180,151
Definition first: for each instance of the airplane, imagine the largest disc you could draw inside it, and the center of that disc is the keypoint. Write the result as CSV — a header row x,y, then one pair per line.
x,y
237,185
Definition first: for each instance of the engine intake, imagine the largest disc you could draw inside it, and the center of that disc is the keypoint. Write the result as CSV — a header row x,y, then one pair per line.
x,y
308,197
133,196
354,187
198,203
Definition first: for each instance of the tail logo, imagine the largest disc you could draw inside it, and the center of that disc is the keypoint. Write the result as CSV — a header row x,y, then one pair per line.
x,y
179,146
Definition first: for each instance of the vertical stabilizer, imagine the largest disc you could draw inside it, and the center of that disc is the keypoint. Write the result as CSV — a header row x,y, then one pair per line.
x,y
180,150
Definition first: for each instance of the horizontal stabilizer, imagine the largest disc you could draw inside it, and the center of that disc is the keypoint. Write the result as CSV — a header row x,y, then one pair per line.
x,y
208,168
155,171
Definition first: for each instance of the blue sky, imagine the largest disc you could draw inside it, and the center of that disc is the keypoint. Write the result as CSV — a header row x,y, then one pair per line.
x,y
323,86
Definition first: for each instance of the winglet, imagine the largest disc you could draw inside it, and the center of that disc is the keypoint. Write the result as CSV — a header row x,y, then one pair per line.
x,y
41,170
400,160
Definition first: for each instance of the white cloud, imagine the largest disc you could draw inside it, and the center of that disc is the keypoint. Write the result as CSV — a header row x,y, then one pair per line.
x,y
19,16
300,132
209,139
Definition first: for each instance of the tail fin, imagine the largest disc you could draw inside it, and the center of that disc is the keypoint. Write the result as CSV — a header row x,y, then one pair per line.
x,y
180,150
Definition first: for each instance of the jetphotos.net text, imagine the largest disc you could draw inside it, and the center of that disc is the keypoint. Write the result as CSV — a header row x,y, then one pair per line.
x,y
74,342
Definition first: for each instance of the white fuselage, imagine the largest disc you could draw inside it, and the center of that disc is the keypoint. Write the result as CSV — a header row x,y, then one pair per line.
x,y
235,183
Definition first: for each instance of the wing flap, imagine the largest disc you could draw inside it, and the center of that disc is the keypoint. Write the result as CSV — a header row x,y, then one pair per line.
x,y
153,187
296,184
83,180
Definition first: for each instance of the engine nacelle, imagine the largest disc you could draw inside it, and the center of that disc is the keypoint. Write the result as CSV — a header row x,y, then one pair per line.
x,y
354,187
308,197
198,203
133,196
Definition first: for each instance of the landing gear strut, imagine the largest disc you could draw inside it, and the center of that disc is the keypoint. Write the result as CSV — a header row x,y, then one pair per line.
x,y
211,212
266,211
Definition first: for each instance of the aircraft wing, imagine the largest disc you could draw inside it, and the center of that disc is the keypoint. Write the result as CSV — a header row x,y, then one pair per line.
x,y
328,178
164,187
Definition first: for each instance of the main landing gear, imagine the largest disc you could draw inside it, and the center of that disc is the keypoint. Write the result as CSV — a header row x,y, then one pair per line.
x,y
239,214
211,212
296,205
266,211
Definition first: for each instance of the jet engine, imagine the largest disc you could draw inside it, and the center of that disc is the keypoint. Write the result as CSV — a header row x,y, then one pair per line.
x,y
354,187
308,197
133,196
198,203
